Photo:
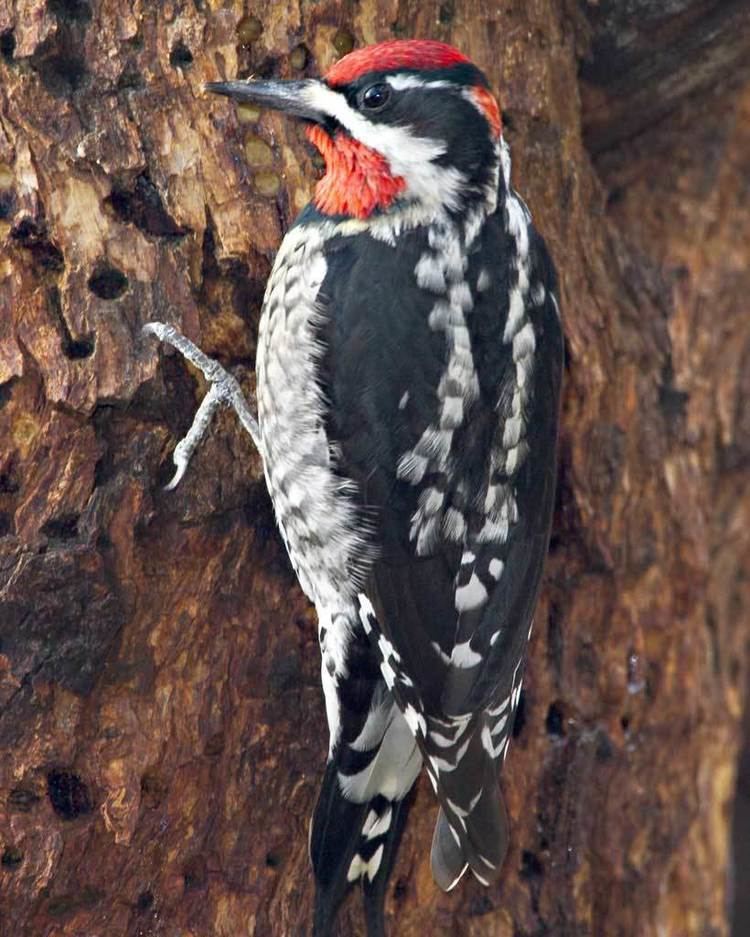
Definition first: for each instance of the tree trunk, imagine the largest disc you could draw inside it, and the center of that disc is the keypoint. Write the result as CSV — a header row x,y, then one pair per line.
x,y
162,731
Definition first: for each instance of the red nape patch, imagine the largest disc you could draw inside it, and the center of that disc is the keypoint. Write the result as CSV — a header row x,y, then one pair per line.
x,y
422,54
487,104
357,181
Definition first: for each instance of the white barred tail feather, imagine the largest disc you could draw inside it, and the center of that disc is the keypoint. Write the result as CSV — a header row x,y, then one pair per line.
x,y
473,836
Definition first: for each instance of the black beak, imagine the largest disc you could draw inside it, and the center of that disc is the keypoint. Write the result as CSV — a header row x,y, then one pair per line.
x,y
286,96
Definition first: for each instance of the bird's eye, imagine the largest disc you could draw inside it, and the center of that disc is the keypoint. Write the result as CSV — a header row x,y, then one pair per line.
x,y
375,97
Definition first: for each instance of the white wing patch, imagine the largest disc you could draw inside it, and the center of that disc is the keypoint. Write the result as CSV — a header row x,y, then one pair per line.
x,y
463,656
472,595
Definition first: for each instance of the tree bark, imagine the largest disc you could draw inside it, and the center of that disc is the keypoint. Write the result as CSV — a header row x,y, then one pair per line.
x,y
162,731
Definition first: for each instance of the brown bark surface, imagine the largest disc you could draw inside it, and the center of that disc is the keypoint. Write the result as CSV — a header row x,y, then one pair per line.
x,y
162,732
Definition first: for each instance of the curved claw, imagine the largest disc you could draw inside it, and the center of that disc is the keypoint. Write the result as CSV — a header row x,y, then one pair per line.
x,y
181,458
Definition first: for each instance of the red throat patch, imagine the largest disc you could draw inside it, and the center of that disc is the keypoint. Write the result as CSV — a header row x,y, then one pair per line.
x,y
357,180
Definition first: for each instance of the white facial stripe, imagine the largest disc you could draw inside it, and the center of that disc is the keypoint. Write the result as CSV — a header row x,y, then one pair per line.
x,y
405,82
409,156
396,143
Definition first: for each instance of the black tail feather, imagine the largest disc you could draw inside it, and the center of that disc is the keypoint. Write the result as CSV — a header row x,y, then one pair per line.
x,y
342,834
334,837
373,892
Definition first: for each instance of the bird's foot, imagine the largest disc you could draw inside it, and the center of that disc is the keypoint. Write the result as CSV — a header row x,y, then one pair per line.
x,y
224,391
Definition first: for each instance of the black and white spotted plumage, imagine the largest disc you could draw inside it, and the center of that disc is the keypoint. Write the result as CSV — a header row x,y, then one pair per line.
x,y
409,369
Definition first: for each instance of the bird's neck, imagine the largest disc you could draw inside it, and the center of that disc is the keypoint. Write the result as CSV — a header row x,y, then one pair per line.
x,y
358,183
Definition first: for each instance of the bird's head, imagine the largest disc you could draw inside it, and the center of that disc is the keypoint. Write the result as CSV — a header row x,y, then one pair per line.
x,y
406,125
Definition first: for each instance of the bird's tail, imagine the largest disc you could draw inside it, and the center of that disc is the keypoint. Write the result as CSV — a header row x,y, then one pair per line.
x,y
471,831
359,816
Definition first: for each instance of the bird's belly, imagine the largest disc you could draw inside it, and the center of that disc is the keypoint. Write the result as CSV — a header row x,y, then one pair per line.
x,y
313,505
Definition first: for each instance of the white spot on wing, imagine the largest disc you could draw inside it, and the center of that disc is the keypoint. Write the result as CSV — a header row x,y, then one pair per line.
x,y
464,657
495,568
470,596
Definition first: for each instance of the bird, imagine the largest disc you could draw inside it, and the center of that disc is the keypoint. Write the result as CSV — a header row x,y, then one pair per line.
x,y
409,369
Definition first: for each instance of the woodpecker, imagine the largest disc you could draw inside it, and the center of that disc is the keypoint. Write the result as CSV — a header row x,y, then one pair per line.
x,y
408,382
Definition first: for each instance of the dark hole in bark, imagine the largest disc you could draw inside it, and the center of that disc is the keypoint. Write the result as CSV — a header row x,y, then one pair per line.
x,y
144,901
400,889
72,10
143,206
531,867
108,283
272,860
76,349
12,858
446,13
33,238
130,79
7,199
63,73
61,528
153,790
6,523
555,722
8,484
6,392
7,44
268,68
673,402
180,56
68,794
604,748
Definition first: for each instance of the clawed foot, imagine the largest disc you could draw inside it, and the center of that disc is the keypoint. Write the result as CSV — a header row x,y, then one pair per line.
x,y
224,391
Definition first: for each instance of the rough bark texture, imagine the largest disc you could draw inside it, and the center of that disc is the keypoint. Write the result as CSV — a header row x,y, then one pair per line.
x,y
162,731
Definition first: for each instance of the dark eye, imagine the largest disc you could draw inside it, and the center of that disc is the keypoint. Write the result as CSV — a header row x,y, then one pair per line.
x,y
375,97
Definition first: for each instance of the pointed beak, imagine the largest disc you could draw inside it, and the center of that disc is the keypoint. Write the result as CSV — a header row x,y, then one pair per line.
x,y
290,97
